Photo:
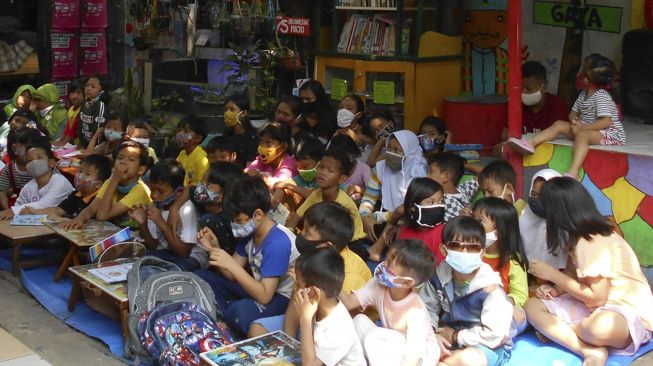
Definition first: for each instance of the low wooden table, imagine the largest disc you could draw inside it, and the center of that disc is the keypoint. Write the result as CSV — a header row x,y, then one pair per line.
x,y
108,299
21,235
90,234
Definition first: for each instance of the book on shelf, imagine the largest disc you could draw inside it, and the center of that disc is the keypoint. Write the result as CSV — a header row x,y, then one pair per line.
x,y
367,3
372,35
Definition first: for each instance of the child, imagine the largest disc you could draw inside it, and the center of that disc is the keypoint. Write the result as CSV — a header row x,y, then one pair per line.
x,y
326,224
403,162
14,175
433,135
49,111
319,119
191,131
93,113
308,154
466,300
498,179
239,131
405,336
352,109
273,162
594,118
139,131
266,249
447,169
328,336
76,97
289,113
504,252
112,134
93,171
602,303
223,148
424,215
122,191
355,183
374,132
47,188
180,247
21,100
20,119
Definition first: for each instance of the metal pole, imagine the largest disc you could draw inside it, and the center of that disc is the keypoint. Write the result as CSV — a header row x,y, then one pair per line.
x,y
514,87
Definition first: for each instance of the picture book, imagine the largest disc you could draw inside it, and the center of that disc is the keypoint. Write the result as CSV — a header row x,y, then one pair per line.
x,y
120,236
28,220
112,274
270,349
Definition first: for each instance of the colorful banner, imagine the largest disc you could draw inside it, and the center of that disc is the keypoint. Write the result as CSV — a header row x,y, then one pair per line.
x,y
93,53
97,249
94,14
64,54
65,14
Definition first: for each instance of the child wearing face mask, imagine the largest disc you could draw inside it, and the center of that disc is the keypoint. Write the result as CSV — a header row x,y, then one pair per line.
x,y
424,215
405,336
139,131
47,187
273,162
94,109
180,247
466,300
191,131
319,119
238,129
21,118
14,175
93,170
112,134
375,132
433,135
389,181
294,191
252,283
498,179
352,109
504,252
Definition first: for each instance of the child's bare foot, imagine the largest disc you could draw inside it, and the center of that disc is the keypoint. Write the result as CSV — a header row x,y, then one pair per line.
x,y
595,356
541,337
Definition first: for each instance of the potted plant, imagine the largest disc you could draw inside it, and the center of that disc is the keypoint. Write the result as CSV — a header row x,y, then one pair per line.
x,y
129,97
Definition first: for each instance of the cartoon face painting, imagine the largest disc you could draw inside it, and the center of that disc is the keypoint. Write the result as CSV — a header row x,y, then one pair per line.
x,y
485,28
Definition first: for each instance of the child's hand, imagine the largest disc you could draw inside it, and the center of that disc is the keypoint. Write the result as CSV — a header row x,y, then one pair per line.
x,y
119,173
541,270
154,214
445,345
138,214
575,121
306,301
73,224
7,214
368,226
389,233
467,211
99,132
546,292
446,333
221,259
207,239
27,211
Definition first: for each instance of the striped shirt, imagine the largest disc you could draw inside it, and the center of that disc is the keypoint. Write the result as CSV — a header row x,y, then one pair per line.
x,y
20,178
600,104
371,196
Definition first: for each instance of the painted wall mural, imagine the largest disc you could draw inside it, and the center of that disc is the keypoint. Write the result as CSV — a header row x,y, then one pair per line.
x,y
621,185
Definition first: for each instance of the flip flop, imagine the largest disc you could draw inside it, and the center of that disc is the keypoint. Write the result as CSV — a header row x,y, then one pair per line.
x,y
520,145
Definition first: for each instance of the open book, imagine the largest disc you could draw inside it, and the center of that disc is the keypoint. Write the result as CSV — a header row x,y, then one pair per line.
x,y
112,274
270,349
28,220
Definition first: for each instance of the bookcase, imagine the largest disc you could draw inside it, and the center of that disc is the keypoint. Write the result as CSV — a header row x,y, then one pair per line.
x,y
394,43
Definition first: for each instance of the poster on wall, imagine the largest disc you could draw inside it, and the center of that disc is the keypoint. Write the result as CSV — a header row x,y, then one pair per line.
x,y
65,14
64,53
94,14
62,86
93,52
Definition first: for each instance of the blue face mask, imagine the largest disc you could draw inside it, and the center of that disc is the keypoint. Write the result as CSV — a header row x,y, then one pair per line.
x,y
387,279
462,262
243,230
169,200
125,189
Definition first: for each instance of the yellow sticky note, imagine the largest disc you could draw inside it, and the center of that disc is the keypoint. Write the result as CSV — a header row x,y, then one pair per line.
x,y
383,92
338,88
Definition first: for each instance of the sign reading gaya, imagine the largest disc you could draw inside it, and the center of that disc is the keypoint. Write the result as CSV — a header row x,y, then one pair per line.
x,y
294,26
590,17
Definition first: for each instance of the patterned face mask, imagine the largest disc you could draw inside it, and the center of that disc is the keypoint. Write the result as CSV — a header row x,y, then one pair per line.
x,y
388,279
243,230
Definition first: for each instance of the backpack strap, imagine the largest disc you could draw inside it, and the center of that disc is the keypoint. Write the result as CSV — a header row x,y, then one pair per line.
x,y
12,179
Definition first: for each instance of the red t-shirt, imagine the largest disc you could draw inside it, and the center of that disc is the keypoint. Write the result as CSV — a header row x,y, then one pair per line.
x,y
431,237
554,109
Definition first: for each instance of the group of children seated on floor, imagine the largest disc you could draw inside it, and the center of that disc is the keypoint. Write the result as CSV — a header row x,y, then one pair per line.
x,y
452,282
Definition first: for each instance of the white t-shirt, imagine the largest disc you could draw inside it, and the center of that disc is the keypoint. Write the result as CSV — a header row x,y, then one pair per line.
x,y
50,195
336,342
187,233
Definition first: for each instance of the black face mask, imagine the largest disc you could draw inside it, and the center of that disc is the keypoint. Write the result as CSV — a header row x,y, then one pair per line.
x,y
536,206
309,107
305,246
428,216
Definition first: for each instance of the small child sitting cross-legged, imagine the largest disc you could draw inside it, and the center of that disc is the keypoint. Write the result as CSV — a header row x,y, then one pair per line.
x,y
405,336
328,336
466,300
180,248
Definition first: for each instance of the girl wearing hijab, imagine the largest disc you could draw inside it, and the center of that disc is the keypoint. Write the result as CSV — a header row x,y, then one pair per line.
x,y
389,182
21,100
49,111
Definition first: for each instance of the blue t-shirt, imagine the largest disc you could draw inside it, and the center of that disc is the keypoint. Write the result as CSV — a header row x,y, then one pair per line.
x,y
275,256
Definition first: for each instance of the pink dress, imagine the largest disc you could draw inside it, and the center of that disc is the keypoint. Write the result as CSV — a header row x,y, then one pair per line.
x,y
286,170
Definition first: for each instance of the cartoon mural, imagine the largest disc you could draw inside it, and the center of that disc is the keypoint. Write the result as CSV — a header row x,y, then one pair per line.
x,y
622,189
485,27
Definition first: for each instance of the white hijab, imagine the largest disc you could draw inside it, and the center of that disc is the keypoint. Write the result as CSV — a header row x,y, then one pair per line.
x,y
533,229
395,183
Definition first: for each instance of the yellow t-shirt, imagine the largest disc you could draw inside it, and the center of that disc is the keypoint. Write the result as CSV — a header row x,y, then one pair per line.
x,y
196,164
357,273
139,195
152,154
519,206
316,197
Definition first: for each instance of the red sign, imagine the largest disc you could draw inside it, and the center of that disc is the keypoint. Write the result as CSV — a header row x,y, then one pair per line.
x,y
64,54
93,52
94,14
65,14
294,26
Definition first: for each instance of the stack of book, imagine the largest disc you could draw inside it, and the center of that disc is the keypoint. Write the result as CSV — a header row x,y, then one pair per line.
x,y
368,3
371,35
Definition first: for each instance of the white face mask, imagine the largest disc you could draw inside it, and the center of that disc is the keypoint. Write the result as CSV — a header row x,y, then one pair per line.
x,y
503,193
143,141
532,98
345,117
490,238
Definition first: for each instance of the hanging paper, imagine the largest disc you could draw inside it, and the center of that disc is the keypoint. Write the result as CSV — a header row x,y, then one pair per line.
x,y
64,54
94,14
93,53
338,88
65,14
62,86
383,92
